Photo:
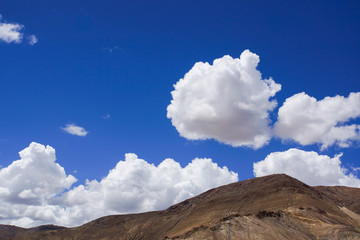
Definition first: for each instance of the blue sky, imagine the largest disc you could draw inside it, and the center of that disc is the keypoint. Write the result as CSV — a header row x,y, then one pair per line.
x,y
120,59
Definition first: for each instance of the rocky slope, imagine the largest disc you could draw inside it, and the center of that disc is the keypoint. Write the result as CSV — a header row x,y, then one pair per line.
x,y
271,207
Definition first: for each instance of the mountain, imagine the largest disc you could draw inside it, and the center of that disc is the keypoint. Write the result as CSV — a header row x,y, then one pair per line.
x,y
272,207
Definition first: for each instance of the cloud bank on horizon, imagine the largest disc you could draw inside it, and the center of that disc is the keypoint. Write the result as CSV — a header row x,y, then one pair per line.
x,y
36,190
230,102
12,33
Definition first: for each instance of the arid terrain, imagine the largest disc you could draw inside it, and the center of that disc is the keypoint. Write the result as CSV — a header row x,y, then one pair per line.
x,y
271,207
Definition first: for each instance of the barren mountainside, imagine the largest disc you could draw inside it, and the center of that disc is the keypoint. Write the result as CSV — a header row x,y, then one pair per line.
x,y
271,207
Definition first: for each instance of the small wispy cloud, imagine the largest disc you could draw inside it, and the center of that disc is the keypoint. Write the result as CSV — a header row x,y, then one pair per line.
x,y
112,49
75,130
32,40
106,116
12,33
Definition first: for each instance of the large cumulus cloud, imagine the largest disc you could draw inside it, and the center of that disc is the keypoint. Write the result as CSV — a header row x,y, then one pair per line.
x,y
307,121
227,101
33,190
34,178
230,102
309,167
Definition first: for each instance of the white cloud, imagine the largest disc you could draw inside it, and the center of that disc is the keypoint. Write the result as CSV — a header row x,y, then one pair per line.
x,y
35,176
75,130
142,186
32,39
10,32
227,101
31,182
308,167
32,188
308,121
